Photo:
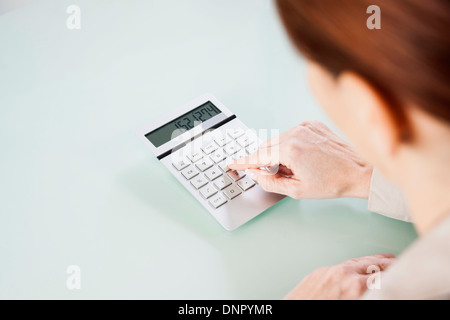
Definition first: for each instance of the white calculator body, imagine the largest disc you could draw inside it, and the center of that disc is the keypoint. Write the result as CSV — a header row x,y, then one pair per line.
x,y
195,143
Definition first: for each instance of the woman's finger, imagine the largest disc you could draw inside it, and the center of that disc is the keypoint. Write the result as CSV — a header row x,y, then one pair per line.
x,y
368,264
273,182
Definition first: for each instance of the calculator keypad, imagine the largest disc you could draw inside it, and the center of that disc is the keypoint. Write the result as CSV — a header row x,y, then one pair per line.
x,y
235,133
252,148
213,173
218,156
218,200
199,181
232,192
245,183
208,191
224,166
236,175
204,163
222,140
195,156
231,148
244,141
211,147
189,172
181,163
207,168
222,182
240,154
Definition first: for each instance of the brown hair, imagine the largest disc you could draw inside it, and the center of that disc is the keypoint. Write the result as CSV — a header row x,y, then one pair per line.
x,y
407,60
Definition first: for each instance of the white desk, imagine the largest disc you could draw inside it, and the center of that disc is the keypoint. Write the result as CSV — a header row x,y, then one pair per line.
x,y
78,188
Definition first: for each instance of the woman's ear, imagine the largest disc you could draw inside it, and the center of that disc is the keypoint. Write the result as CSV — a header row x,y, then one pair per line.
x,y
373,127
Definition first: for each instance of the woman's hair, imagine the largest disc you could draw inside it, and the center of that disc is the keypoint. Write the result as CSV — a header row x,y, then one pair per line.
x,y
407,60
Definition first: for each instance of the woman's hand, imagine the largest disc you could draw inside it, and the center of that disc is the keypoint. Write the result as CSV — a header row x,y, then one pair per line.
x,y
345,281
314,163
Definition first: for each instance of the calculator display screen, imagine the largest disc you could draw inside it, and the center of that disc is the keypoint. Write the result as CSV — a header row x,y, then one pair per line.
x,y
182,124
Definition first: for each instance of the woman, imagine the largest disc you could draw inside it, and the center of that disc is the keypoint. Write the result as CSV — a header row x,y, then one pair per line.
x,y
388,91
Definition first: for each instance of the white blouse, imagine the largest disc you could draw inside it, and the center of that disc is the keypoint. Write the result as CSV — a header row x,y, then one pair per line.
x,y
422,270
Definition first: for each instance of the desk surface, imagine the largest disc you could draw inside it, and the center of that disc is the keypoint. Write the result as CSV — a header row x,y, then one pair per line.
x,y
78,188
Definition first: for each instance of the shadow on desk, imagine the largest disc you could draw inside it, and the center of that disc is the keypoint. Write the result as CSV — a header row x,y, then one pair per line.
x,y
274,251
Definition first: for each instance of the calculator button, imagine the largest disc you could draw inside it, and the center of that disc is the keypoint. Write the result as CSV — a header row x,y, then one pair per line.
x,y
189,172
213,173
180,164
240,154
245,141
209,148
204,164
208,191
224,165
231,148
218,156
236,175
252,148
245,183
235,133
232,192
217,200
195,156
222,182
199,181
222,140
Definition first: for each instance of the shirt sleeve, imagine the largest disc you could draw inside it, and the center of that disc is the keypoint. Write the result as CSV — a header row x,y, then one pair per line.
x,y
387,199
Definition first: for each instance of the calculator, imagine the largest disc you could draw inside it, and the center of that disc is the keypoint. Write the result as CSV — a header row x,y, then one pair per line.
x,y
195,143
